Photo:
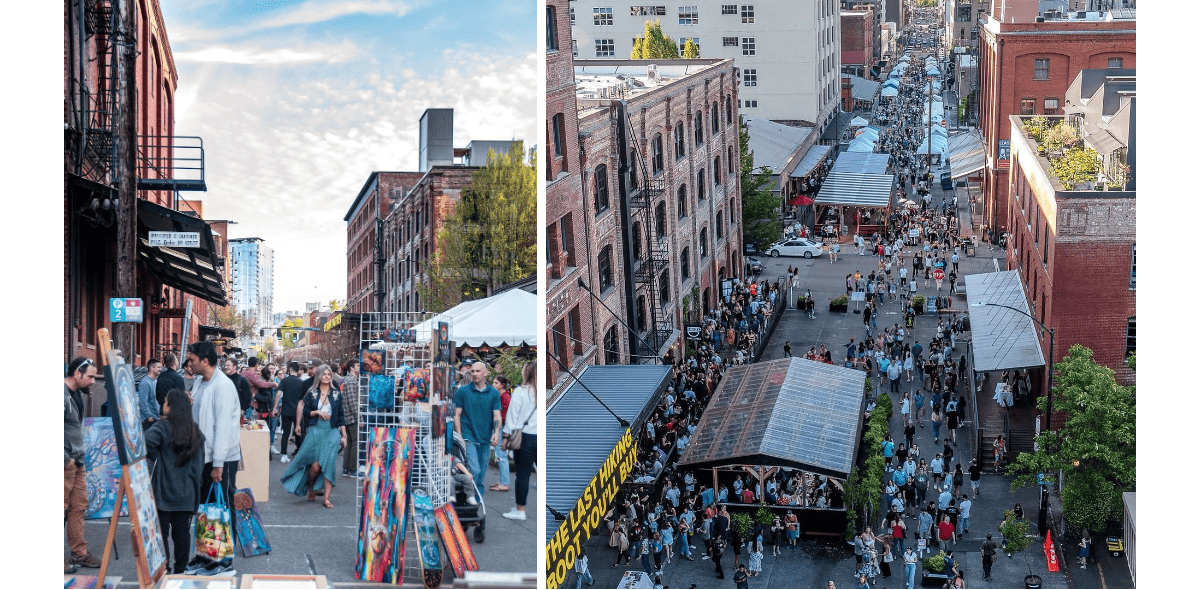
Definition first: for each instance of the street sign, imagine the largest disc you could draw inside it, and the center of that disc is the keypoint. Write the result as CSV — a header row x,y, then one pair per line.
x,y
693,331
1003,147
175,239
938,274
171,312
121,309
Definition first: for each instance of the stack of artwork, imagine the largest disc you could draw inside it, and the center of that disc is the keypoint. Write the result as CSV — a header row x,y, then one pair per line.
x,y
385,504
425,524
250,533
103,468
458,550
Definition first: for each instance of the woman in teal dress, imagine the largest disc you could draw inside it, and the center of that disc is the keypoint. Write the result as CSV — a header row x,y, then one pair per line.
x,y
316,460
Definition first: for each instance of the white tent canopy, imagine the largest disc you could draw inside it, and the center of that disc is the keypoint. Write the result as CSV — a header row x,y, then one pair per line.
x,y
859,122
509,318
939,146
861,145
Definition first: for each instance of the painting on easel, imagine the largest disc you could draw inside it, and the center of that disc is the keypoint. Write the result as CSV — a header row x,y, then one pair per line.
x,y
123,405
103,468
147,537
385,505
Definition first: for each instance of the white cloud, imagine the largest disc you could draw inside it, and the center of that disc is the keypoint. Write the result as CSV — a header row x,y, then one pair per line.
x,y
269,56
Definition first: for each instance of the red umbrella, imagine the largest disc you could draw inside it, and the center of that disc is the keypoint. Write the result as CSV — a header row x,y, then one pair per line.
x,y
801,200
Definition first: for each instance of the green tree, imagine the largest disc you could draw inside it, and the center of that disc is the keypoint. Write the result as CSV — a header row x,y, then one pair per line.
x,y
1096,449
691,50
337,304
228,317
653,44
287,333
760,223
491,237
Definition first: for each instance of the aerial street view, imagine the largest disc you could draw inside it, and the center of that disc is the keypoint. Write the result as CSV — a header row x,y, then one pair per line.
x,y
841,294
300,317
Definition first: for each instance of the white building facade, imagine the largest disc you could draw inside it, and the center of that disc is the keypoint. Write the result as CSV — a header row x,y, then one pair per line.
x,y
253,280
787,53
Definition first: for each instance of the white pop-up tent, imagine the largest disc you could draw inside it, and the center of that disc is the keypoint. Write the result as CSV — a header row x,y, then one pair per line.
x,y
509,318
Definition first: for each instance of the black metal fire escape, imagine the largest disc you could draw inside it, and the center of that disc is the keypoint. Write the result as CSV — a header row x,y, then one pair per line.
x,y
643,192
99,109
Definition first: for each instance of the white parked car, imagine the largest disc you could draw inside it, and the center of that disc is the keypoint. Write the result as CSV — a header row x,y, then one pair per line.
x,y
795,247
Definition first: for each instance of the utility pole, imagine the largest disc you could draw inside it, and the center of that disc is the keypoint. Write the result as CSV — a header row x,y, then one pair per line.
x,y
124,334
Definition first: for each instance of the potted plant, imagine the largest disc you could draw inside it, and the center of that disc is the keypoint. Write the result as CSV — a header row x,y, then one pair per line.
x,y
839,304
933,574
918,303
740,523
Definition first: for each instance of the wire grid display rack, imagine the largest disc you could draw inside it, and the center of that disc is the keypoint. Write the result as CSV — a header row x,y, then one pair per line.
x,y
402,346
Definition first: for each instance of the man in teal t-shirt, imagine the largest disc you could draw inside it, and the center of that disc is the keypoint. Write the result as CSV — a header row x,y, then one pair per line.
x,y
477,420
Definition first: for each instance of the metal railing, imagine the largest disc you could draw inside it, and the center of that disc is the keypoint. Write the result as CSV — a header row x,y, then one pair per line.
x,y
170,162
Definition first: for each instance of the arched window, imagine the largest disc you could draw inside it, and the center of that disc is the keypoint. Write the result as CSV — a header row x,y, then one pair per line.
x,y
601,189
664,286
640,313
728,111
682,201
684,265
731,170
719,226
633,169
699,125
679,150
703,243
656,153
612,348
637,241
716,119
717,171
700,186
605,267
660,220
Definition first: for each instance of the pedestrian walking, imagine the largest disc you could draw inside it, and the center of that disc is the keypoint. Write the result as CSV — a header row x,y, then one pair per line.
x,y
946,532
316,461
756,557
910,567
175,446
81,374
582,573
988,553
1085,549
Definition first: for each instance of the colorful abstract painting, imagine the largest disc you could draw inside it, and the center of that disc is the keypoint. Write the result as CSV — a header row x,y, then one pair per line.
x,y
250,533
103,468
416,385
372,362
425,524
147,536
462,558
127,422
385,504
381,392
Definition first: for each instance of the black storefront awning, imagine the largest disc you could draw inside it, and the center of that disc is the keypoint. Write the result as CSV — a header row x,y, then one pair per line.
x,y
191,270
216,331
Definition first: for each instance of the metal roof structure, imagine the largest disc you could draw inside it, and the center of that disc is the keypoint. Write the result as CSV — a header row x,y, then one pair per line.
x,y
856,189
862,88
191,270
866,163
966,154
789,412
1001,338
813,157
773,144
582,433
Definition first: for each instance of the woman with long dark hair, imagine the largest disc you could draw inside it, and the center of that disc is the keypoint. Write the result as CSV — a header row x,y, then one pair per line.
x,y
522,416
317,458
176,445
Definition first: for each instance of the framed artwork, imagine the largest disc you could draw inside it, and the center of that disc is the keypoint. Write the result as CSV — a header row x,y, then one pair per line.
x,y
441,343
250,534
381,392
103,468
385,504
371,362
78,581
458,550
427,538
416,385
123,405
149,553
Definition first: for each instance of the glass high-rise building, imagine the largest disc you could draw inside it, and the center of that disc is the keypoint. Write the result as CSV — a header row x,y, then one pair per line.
x,y
253,280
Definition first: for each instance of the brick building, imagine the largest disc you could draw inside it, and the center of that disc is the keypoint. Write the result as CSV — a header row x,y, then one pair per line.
x,y
376,198
658,215
858,40
1025,68
1075,247
122,180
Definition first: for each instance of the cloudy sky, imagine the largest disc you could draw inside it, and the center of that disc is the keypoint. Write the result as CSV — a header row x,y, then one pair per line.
x,y
297,102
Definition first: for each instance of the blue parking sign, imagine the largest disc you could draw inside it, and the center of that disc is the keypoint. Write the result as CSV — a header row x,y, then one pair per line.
x,y
123,309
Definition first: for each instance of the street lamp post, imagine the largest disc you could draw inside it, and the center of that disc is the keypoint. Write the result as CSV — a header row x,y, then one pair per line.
x,y
1049,361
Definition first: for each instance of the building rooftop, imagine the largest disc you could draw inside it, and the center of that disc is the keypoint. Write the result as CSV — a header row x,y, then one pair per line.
x,y
601,80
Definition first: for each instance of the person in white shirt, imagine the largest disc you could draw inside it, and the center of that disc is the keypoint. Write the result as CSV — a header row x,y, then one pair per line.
x,y
217,410
523,417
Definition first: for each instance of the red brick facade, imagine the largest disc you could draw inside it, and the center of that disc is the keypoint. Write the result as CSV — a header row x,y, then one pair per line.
x,y
858,38
1010,74
372,204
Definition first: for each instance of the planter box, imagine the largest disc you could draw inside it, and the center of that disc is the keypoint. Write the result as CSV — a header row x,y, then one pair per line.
x,y
932,580
836,308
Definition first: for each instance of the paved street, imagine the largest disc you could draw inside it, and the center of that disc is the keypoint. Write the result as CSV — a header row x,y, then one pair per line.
x,y
300,531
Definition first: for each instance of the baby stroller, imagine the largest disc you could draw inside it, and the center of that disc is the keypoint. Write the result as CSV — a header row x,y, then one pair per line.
x,y
468,514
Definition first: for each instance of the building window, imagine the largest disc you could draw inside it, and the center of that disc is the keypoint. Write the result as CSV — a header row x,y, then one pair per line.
x,y
640,318
601,189
689,15
605,48
1116,63
656,153
679,149
748,45
683,41
731,170
716,119
748,14
574,48
575,331
719,226
572,16
1050,106
685,268
637,241
1028,106
729,9
750,104
729,41
682,201
750,76
1041,68
717,171
551,30
1133,267
700,185
647,11
728,111
612,350
660,220
974,34
602,16
606,272
698,124
703,243
664,286
1130,336
633,169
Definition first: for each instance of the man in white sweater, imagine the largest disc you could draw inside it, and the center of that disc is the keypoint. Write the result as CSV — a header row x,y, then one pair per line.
x,y
217,410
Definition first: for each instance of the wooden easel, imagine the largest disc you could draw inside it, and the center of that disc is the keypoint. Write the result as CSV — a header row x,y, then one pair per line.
x,y
146,578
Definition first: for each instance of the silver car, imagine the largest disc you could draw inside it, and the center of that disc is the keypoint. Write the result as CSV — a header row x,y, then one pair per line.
x,y
795,247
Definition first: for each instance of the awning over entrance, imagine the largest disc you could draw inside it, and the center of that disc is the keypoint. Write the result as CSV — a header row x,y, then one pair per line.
x,y
585,436
1001,338
191,270
966,154
814,156
216,331
866,163
856,189
788,412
